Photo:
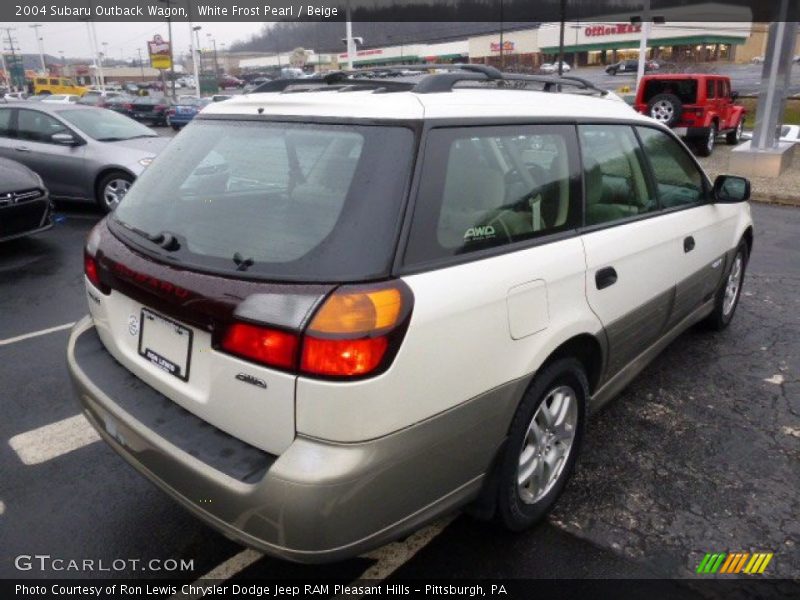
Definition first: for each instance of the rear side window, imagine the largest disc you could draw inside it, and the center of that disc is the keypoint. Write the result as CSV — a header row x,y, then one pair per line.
x,y
615,180
5,122
489,187
678,179
684,89
711,88
54,82
285,201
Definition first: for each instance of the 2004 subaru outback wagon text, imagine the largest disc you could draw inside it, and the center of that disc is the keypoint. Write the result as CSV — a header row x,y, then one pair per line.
x,y
336,328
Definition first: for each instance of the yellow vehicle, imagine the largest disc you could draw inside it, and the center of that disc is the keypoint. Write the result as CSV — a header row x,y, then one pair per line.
x,y
57,85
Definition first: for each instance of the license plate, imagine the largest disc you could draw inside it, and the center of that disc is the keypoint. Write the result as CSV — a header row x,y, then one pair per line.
x,y
165,343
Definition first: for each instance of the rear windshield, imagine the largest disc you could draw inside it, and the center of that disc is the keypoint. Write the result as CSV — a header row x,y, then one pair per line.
x,y
282,201
684,89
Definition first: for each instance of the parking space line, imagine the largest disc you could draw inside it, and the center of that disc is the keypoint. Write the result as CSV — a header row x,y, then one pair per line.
x,y
394,555
50,441
2,508
33,334
222,571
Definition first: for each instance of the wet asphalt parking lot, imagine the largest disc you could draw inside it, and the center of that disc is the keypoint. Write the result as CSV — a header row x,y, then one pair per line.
x,y
700,454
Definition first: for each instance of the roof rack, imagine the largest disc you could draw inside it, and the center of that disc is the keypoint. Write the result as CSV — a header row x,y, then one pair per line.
x,y
359,79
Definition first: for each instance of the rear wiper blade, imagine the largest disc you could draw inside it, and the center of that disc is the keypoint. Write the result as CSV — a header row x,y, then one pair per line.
x,y
165,239
242,264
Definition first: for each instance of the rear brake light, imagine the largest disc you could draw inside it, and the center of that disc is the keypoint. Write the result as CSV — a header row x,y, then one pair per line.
x,y
127,106
356,332
262,344
92,271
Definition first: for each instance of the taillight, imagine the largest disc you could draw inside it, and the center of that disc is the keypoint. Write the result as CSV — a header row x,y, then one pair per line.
x,y
127,106
271,347
90,265
356,332
349,335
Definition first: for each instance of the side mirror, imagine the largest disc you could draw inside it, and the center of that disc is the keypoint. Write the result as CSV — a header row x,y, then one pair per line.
x,y
730,189
64,139
734,96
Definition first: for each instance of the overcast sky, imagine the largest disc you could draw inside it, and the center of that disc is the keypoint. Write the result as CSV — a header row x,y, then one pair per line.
x,y
123,38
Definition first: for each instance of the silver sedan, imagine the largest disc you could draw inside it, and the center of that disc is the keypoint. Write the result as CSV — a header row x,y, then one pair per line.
x,y
82,153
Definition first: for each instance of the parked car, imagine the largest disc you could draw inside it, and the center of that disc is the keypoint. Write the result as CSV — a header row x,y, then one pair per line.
x,y
61,99
550,68
81,153
98,98
150,109
229,81
333,371
16,96
43,86
631,66
24,202
757,60
120,103
184,111
698,107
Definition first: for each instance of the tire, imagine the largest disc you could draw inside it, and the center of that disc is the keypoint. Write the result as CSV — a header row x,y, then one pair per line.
x,y
105,192
521,505
665,108
727,298
705,147
735,136
175,128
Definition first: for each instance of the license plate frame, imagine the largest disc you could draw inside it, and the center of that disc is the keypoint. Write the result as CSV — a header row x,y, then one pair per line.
x,y
169,365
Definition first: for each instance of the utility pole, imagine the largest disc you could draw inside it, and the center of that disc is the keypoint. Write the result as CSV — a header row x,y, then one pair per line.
x,y
40,42
502,53
13,52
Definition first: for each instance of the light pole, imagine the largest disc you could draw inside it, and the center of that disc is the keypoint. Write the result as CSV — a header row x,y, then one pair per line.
x,y
216,64
197,64
171,60
141,63
194,50
40,42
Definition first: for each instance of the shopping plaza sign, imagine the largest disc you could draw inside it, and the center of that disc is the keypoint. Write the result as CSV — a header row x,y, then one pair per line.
x,y
614,29
159,53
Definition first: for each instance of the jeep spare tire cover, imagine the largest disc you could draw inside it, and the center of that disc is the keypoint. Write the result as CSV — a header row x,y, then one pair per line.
x,y
665,108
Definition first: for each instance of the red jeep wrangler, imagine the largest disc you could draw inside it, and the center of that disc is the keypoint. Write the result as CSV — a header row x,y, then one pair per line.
x,y
698,107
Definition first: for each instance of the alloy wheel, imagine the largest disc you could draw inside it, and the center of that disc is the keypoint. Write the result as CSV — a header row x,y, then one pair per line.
x,y
662,111
115,191
547,444
733,285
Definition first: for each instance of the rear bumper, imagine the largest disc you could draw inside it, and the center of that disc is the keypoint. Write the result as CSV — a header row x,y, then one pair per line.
x,y
316,502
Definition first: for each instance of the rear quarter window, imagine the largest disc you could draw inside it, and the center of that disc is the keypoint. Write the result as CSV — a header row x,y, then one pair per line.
x,y
486,188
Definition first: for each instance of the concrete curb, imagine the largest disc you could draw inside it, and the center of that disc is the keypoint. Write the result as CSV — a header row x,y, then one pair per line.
x,y
778,199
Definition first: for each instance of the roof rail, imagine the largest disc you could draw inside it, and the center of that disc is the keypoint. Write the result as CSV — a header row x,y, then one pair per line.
x,y
430,82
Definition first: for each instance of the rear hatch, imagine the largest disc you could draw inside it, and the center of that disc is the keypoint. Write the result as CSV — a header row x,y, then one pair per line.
x,y
237,224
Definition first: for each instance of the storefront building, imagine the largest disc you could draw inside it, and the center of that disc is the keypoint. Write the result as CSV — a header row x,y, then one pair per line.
x,y
444,52
602,43
678,42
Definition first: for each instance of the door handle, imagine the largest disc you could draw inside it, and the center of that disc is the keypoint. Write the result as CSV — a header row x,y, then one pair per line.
x,y
605,277
22,149
688,244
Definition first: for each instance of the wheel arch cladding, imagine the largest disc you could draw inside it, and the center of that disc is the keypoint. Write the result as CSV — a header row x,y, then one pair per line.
x,y
747,236
588,351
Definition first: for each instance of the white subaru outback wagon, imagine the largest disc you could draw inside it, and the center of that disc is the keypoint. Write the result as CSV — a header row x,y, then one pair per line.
x,y
334,309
